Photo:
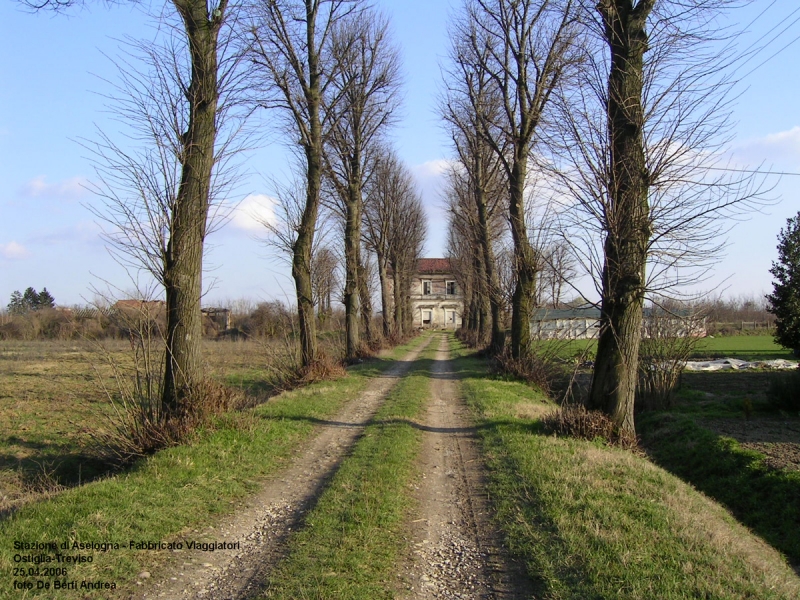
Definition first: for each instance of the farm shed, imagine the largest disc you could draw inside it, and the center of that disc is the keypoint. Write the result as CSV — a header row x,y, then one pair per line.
x,y
584,323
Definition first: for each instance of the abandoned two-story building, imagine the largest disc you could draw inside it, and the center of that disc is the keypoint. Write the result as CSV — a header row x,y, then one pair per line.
x,y
436,300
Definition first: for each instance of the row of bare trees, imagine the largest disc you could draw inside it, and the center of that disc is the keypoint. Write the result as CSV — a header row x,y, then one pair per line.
x,y
589,133
333,73
328,73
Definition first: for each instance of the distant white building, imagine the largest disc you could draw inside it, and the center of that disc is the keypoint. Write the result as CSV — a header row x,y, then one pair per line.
x,y
566,323
584,323
436,300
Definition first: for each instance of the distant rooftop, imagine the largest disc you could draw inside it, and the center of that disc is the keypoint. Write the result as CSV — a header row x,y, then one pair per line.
x,y
551,314
592,312
433,266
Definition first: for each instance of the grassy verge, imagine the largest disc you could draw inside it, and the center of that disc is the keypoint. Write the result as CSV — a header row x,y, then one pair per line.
x,y
352,540
591,521
173,492
764,499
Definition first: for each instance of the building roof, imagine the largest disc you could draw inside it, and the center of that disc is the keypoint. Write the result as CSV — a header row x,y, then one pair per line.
x,y
139,304
433,266
592,312
552,314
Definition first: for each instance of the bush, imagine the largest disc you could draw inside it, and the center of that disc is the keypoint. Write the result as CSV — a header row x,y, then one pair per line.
x,y
269,319
540,368
784,391
142,424
576,421
662,356
469,337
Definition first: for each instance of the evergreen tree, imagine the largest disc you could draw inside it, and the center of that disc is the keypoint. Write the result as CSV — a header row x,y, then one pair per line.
x,y
785,299
30,299
16,306
46,299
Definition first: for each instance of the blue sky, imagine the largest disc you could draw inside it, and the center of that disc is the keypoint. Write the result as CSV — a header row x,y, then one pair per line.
x,y
56,73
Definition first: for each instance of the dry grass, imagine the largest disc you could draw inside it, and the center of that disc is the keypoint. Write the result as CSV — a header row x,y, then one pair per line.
x,y
142,425
578,422
532,410
52,396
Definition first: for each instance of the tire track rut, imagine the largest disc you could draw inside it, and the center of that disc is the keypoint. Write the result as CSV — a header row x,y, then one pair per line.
x,y
266,520
457,552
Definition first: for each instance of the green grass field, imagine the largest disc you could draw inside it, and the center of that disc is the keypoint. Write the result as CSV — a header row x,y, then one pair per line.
x,y
752,347
746,347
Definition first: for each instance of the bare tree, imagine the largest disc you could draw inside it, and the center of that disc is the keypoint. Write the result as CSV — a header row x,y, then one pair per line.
x,y
291,47
366,87
407,241
366,275
282,227
525,48
160,191
382,189
466,258
323,281
470,105
395,231
558,269
644,133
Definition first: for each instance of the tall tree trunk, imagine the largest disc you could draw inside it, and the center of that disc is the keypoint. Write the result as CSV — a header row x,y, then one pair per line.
x,y
352,259
366,303
492,286
399,304
405,298
183,269
482,295
628,225
524,260
301,258
387,312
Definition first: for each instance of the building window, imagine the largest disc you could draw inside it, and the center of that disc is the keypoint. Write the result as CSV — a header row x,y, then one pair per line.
x,y
426,287
450,288
426,317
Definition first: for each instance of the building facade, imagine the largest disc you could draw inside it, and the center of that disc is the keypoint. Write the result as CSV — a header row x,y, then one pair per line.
x,y
436,300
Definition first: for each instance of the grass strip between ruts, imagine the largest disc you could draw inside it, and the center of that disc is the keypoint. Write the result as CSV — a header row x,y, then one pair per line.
x,y
352,539
171,493
590,521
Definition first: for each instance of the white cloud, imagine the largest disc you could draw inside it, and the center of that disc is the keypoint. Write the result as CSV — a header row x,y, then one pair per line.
x,y
253,212
781,148
13,250
81,232
67,189
431,178
432,168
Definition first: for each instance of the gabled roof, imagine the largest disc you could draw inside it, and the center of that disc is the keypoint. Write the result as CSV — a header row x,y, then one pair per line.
x,y
433,266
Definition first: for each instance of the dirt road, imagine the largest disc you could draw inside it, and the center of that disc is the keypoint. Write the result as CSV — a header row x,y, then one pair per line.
x,y
264,523
455,551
